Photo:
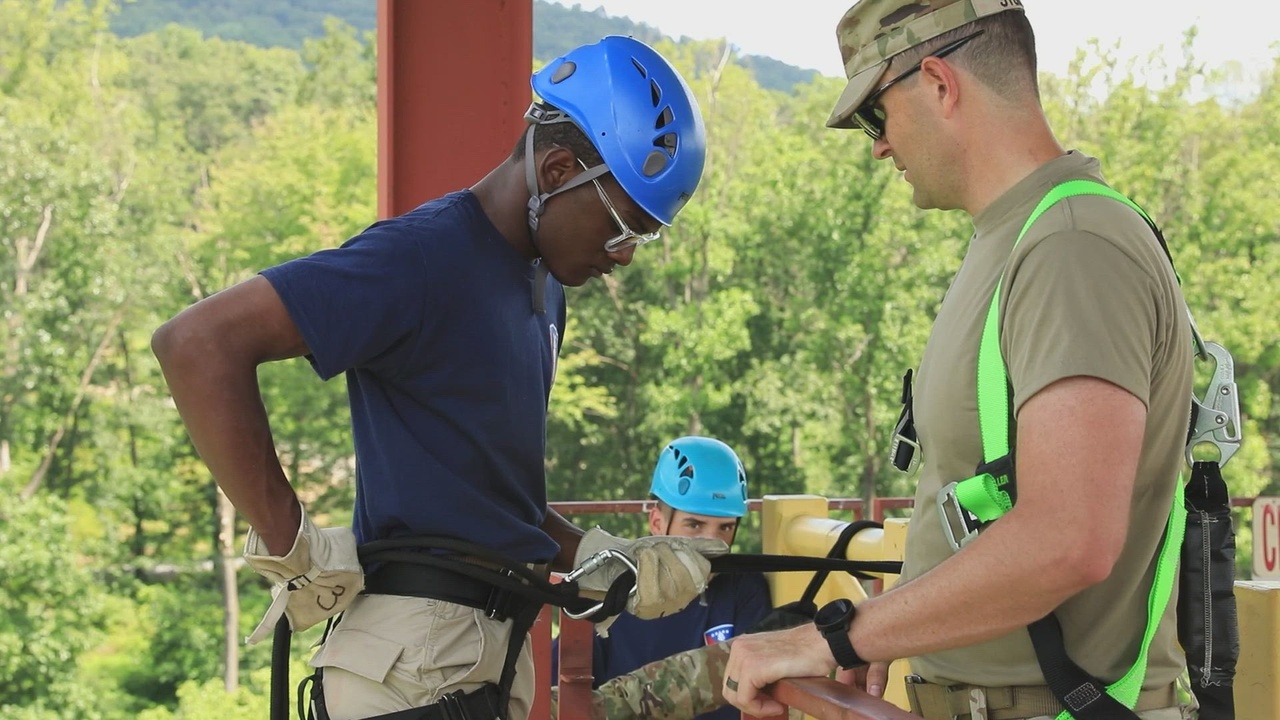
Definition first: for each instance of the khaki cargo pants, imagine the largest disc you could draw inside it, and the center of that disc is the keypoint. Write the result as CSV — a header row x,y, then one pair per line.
x,y
394,653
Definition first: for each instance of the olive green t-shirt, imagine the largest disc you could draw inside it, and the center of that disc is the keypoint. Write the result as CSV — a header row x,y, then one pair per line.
x,y
1088,292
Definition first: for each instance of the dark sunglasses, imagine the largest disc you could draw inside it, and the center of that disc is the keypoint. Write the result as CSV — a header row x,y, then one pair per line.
x,y
871,117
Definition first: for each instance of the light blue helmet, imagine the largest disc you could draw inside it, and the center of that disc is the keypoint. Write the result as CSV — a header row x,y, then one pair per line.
x,y
702,476
638,112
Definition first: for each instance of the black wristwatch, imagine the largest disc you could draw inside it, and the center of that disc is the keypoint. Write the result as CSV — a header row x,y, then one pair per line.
x,y
833,620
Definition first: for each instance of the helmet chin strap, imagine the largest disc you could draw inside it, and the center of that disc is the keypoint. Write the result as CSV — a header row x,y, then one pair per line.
x,y
540,115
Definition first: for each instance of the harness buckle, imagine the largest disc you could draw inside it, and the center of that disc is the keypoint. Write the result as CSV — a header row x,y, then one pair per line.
x,y
451,706
904,452
499,606
959,525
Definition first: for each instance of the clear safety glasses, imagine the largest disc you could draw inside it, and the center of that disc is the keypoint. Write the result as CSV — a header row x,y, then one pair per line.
x,y
626,237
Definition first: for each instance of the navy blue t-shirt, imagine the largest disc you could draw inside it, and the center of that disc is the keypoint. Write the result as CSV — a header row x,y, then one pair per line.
x,y
448,368
731,605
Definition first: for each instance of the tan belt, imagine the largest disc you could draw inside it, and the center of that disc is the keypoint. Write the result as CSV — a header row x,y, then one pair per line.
x,y
943,702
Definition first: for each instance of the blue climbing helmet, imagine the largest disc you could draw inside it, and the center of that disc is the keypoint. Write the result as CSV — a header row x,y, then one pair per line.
x,y
702,476
637,111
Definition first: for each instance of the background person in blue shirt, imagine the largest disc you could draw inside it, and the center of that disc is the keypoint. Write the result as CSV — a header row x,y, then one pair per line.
x,y
701,491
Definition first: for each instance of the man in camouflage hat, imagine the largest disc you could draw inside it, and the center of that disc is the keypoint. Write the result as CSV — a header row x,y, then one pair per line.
x,y
1090,331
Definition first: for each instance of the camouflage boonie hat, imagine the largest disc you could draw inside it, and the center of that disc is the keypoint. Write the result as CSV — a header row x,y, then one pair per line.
x,y
873,31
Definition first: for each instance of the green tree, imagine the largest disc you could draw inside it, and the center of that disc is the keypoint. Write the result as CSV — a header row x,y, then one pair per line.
x,y
51,610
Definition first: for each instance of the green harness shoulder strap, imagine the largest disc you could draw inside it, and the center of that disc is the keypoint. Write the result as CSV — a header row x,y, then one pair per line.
x,y
988,494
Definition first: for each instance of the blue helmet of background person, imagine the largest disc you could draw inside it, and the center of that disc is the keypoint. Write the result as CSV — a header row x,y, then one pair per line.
x,y
638,112
702,476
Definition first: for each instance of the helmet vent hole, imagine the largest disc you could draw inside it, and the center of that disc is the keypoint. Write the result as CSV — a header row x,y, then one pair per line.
x,y
687,472
683,488
664,119
654,162
564,71
655,93
643,73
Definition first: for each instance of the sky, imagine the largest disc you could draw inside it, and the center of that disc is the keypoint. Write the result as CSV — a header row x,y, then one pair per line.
x,y
802,32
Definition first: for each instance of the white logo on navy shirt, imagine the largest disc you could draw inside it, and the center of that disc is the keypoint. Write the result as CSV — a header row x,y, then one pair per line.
x,y
719,633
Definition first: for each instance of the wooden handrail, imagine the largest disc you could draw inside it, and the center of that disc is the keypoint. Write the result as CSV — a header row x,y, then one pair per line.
x,y
826,699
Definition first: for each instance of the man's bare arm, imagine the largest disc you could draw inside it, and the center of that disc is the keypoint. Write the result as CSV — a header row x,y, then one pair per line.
x,y
210,353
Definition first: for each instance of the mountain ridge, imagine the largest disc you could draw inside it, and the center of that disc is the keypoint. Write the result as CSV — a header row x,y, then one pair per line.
x,y
287,23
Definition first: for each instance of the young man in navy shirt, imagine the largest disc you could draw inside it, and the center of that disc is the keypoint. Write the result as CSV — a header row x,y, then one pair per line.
x,y
446,322
701,491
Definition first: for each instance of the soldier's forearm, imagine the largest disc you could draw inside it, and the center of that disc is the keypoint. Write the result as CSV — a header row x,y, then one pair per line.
x,y
680,686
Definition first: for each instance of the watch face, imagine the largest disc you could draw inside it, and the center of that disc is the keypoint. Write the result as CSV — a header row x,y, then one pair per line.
x,y
833,613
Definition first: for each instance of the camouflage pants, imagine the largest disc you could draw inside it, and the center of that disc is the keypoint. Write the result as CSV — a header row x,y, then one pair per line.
x,y
675,688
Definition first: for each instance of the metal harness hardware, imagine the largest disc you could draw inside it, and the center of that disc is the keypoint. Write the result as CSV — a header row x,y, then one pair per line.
x,y
592,564
1215,420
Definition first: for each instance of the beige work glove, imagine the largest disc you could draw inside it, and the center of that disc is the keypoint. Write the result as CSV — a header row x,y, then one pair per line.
x,y
318,579
670,571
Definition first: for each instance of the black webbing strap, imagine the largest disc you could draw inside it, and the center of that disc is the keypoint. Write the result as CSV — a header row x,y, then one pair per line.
x,y
1207,627
484,703
838,550
513,578
741,563
280,669
1080,693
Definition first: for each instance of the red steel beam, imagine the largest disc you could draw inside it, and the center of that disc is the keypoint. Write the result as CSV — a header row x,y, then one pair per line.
x,y
453,84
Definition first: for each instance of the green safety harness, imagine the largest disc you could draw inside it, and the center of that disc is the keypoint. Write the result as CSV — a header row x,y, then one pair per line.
x,y
970,504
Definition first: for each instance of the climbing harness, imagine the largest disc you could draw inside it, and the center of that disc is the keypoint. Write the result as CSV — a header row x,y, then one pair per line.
x,y
965,507
461,573
420,567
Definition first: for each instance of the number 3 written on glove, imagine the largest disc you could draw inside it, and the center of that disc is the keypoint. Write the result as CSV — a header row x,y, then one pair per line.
x,y
318,578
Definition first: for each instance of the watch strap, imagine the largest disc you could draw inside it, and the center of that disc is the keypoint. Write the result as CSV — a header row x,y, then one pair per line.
x,y
842,649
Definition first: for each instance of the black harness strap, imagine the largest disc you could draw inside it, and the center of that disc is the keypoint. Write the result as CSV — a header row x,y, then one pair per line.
x,y
485,703
1207,628
741,563
280,669
1084,695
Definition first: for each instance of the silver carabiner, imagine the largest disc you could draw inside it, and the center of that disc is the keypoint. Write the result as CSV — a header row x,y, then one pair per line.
x,y
1217,416
594,563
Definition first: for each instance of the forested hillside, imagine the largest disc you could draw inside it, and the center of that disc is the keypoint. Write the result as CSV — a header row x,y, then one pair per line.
x,y
288,23
139,174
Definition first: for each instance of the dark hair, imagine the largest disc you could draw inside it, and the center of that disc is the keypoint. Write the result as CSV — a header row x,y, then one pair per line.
x,y
1003,57
563,134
